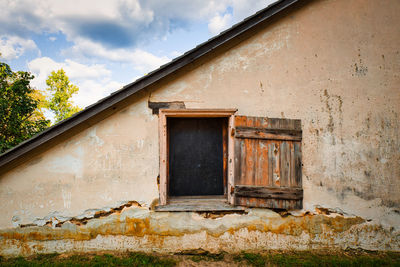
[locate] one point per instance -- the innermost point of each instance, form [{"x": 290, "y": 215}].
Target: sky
[{"x": 103, "y": 45}]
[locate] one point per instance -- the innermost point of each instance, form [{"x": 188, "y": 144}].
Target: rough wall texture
[
  {"x": 137, "y": 228},
  {"x": 333, "y": 64}
]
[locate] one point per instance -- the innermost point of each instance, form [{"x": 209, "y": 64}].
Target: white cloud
[
  {"x": 112, "y": 30},
  {"x": 78, "y": 71},
  {"x": 124, "y": 19},
  {"x": 91, "y": 91},
  {"x": 219, "y": 23},
  {"x": 109, "y": 32},
  {"x": 94, "y": 81},
  {"x": 141, "y": 60},
  {"x": 42, "y": 67},
  {"x": 245, "y": 8},
  {"x": 175, "y": 54},
  {"x": 240, "y": 10},
  {"x": 12, "y": 47}
]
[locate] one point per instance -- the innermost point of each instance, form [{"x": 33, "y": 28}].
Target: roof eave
[{"x": 176, "y": 64}]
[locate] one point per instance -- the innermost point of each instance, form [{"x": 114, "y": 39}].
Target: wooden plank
[
  {"x": 285, "y": 193},
  {"x": 276, "y": 173},
  {"x": 190, "y": 204},
  {"x": 293, "y": 132},
  {"x": 268, "y": 123},
  {"x": 254, "y": 145},
  {"x": 238, "y": 160},
  {"x": 288, "y": 124},
  {"x": 156, "y": 106},
  {"x": 273, "y": 134},
  {"x": 231, "y": 161},
  {"x": 257, "y": 122},
  {"x": 163, "y": 158},
  {"x": 242, "y": 166},
  {"x": 270, "y": 150},
  {"x": 284, "y": 164},
  {"x": 250, "y": 121},
  {"x": 298, "y": 164},
  {"x": 292, "y": 181},
  {"x": 262, "y": 177},
  {"x": 280, "y": 204},
  {"x": 206, "y": 113},
  {"x": 249, "y": 173},
  {"x": 274, "y": 123},
  {"x": 271, "y": 163},
  {"x": 240, "y": 121}
]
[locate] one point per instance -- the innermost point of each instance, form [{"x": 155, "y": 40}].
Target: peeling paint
[
  {"x": 304, "y": 68},
  {"x": 145, "y": 230}
]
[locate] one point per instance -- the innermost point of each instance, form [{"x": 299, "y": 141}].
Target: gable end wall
[{"x": 333, "y": 64}]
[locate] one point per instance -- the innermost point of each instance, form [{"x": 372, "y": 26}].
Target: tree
[
  {"x": 21, "y": 116},
  {"x": 61, "y": 91}
]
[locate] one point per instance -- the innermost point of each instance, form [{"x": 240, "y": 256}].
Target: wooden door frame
[{"x": 163, "y": 143}]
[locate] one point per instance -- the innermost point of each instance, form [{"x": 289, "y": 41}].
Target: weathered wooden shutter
[{"x": 267, "y": 163}]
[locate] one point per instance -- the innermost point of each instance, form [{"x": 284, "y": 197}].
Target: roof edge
[{"x": 128, "y": 90}]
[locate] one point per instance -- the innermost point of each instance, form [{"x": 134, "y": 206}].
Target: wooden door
[{"x": 267, "y": 163}]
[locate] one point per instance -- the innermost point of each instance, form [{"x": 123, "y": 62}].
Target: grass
[
  {"x": 352, "y": 259},
  {"x": 47, "y": 260},
  {"x": 208, "y": 257},
  {"x": 272, "y": 258},
  {"x": 251, "y": 258}
]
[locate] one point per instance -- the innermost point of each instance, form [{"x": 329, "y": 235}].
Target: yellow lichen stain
[
  {"x": 137, "y": 227},
  {"x": 38, "y": 247},
  {"x": 25, "y": 249},
  {"x": 155, "y": 240},
  {"x": 340, "y": 224},
  {"x": 140, "y": 227},
  {"x": 311, "y": 224}
]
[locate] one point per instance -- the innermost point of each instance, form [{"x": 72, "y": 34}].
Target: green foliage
[
  {"x": 208, "y": 257},
  {"x": 21, "y": 116},
  {"x": 251, "y": 258},
  {"x": 309, "y": 258},
  {"x": 61, "y": 91},
  {"x": 50, "y": 260},
  {"x": 305, "y": 258}
]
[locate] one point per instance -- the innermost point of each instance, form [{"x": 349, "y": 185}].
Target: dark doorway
[{"x": 196, "y": 156}]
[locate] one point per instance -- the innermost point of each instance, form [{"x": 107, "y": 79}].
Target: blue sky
[{"x": 103, "y": 44}]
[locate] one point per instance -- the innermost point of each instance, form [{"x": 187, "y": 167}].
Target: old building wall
[
  {"x": 333, "y": 64},
  {"x": 104, "y": 166}
]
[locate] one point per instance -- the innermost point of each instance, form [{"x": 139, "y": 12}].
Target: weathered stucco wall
[{"x": 333, "y": 64}]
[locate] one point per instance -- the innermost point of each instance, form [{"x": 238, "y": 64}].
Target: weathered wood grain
[
  {"x": 200, "y": 204},
  {"x": 163, "y": 139},
  {"x": 267, "y": 162},
  {"x": 273, "y": 134},
  {"x": 231, "y": 160},
  {"x": 267, "y": 123},
  {"x": 298, "y": 164},
  {"x": 288, "y": 193}
]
